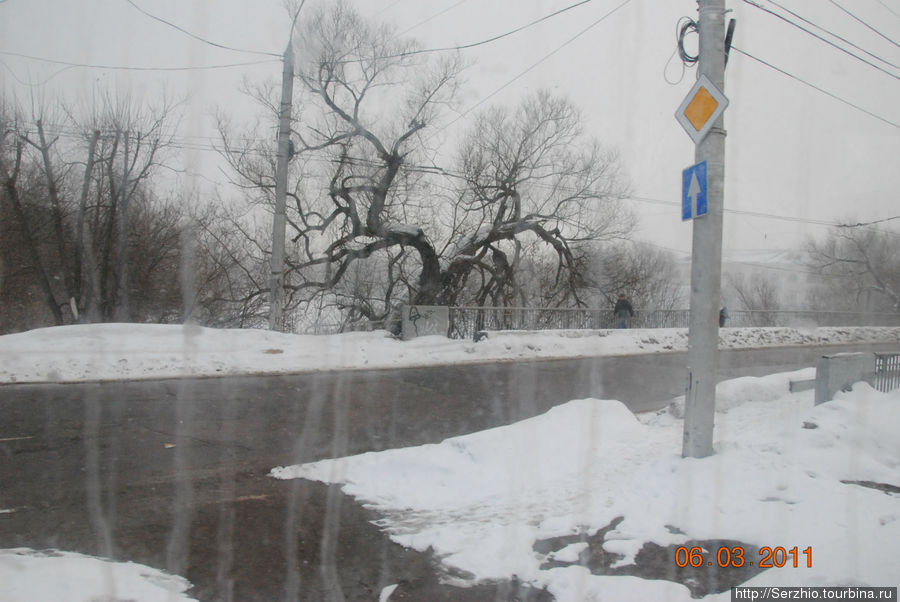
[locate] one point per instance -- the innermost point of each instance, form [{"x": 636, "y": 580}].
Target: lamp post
[{"x": 276, "y": 281}]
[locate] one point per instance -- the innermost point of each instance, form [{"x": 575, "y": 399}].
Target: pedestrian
[
  {"x": 723, "y": 315},
  {"x": 623, "y": 311}
]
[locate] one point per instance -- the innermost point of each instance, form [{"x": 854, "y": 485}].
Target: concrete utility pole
[
  {"x": 276, "y": 293},
  {"x": 706, "y": 264}
]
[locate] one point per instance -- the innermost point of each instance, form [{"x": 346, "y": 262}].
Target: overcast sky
[{"x": 792, "y": 151}]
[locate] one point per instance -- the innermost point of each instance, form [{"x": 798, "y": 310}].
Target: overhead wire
[
  {"x": 435, "y": 170},
  {"x": 864, "y": 23},
  {"x": 767, "y": 266},
  {"x": 757, "y": 214},
  {"x": 535, "y": 64},
  {"x": 881, "y": 2},
  {"x": 195, "y": 36},
  {"x": 831, "y": 33},
  {"x": 133, "y": 68},
  {"x": 815, "y": 87},
  {"x": 432, "y": 17},
  {"x": 33, "y": 85},
  {"x": 478, "y": 43},
  {"x": 817, "y": 36},
  {"x": 391, "y": 5},
  {"x": 865, "y": 224},
  {"x": 185, "y": 143}
]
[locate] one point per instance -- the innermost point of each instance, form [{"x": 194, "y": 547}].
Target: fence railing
[
  {"x": 800, "y": 319},
  {"x": 466, "y": 321},
  {"x": 887, "y": 372}
]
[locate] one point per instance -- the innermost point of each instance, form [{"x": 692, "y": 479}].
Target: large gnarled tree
[{"x": 377, "y": 216}]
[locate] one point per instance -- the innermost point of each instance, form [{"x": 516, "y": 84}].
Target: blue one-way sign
[{"x": 693, "y": 191}]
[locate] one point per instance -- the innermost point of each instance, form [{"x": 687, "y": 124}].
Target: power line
[
  {"x": 831, "y": 33},
  {"x": 784, "y": 218},
  {"x": 817, "y": 88},
  {"x": 513, "y": 31},
  {"x": 881, "y": 2},
  {"x": 129, "y": 68},
  {"x": 195, "y": 36},
  {"x": 864, "y": 23},
  {"x": 818, "y": 37},
  {"x": 726, "y": 259},
  {"x": 864, "y": 224},
  {"x": 185, "y": 143},
  {"x": 480, "y": 42},
  {"x": 434, "y": 16},
  {"x": 534, "y": 65},
  {"x": 30, "y": 85},
  {"x": 758, "y": 214},
  {"x": 391, "y": 5}
]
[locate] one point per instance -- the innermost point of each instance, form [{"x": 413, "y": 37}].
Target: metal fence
[
  {"x": 810, "y": 318},
  {"x": 887, "y": 371},
  {"x": 341, "y": 327},
  {"x": 466, "y": 321}
]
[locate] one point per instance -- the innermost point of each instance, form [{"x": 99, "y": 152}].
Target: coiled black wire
[{"x": 685, "y": 26}]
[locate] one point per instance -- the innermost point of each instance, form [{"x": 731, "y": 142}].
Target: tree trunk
[
  {"x": 122, "y": 310},
  {"x": 57, "y": 213},
  {"x": 13, "y": 193},
  {"x": 84, "y": 246}
]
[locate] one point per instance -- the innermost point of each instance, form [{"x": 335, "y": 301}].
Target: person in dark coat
[
  {"x": 723, "y": 315},
  {"x": 623, "y": 310}
]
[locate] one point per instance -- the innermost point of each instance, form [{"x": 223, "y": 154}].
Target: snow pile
[
  {"x": 50, "y": 576},
  {"x": 785, "y": 473},
  {"x": 737, "y": 391},
  {"x": 130, "y": 351}
]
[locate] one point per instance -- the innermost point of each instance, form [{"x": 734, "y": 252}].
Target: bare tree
[
  {"x": 231, "y": 268},
  {"x": 757, "y": 294},
  {"x": 532, "y": 181},
  {"x": 364, "y": 100},
  {"x": 21, "y": 250},
  {"x": 863, "y": 266},
  {"x": 86, "y": 230},
  {"x": 375, "y": 221},
  {"x": 647, "y": 275}
]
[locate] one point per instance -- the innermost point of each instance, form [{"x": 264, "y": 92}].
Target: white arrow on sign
[{"x": 694, "y": 192}]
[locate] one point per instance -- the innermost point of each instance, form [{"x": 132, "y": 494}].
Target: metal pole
[
  {"x": 706, "y": 264},
  {"x": 276, "y": 293}
]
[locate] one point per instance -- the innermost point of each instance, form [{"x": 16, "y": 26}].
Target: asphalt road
[{"x": 173, "y": 473}]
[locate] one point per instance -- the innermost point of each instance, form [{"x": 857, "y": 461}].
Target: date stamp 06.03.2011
[{"x": 736, "y": 556}]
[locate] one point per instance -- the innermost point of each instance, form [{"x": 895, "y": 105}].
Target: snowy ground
[
  {"x": 483, "y": 500},
  {"x": 130, "y": 351},
  {"x": 52, "y": 576},
  {"x": 778, "y": 479}
]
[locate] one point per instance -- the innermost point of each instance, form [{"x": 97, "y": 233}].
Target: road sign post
[{"x": 701, "y": 116}]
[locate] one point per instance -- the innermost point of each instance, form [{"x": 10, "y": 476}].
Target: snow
[
  {"x": 481, "y": 501},
  {"x": 778, "y": 478},
  {"x": 405, "y": 229},
  {"x": 50, "y": 576},
  {"x": 133, "y": 351}
]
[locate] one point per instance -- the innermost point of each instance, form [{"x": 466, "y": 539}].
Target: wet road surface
[{"x": 173, "y": 474}]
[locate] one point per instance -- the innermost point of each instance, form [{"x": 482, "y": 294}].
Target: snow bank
[
  {"x": 784, "y": 474},
  {"x": 50, "y": 576},
  {"x": 131, "y": 351}
]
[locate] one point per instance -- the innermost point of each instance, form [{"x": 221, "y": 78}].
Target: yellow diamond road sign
[{"x": 701, "y": 108}]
